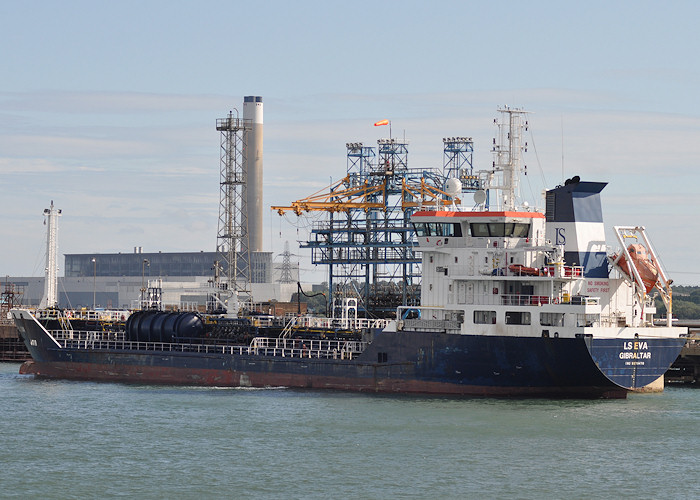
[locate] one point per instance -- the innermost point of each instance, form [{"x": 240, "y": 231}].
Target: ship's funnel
[{"x": 575, "y": 221}]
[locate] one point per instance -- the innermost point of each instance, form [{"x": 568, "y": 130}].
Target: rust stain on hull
[{"x": 231, "y": 378}]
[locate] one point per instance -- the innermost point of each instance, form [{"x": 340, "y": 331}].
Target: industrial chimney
[{"x": 253, "y": 168}]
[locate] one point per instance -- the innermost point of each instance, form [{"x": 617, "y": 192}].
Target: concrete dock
[
  {"x": 686, "y": 369},
  {"x": 12, "y": 348}
]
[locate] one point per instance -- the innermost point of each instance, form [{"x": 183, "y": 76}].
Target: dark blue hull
[{"x": 406, "y": 362}]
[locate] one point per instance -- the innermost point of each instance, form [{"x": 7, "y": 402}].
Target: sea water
[{"x": 63, "y": 439}]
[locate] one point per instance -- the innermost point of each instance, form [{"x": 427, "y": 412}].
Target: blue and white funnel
[{"x": 575, "y": 221}]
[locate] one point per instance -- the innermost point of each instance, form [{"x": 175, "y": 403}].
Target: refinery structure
[{"x": 366, "y": 239}]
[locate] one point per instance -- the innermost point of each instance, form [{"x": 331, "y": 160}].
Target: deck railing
[
  {"x": 109, "y": 315},
  {"x": 86, "y": 335},
  {"x": 525, "y": 300},
  {"x": 312, "y": 322},
  {"x": 260, "y": 346},
  {"x": 541, "y": 300}
]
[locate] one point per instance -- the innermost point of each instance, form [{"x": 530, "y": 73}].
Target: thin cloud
[
  {"x": 143, "y": 170},
  {"x": 70, "y": 103}
]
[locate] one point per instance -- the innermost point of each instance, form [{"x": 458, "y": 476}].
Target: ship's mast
[
  {"x": 508, "y": 148},
  {"x": 50, "y": 298}
]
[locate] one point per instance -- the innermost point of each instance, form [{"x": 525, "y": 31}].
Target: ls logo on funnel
[{"x": 560, "y": 238}]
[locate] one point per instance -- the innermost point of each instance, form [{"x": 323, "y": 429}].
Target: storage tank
[{"x": 160, "y": 326}]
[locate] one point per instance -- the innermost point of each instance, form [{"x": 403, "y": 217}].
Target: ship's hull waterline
[{"x": 395, "y": 362}]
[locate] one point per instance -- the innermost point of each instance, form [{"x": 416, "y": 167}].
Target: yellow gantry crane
[
  {"x": 338, "y": 197},
  {"x": 342, "y": 197}
]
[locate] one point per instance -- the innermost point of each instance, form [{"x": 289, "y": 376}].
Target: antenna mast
[
  {"x": 508, "y": 150},
  {"x": 50, "y": 298}
]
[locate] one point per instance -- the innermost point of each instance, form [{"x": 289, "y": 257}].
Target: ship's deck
[{"x": 260, "y": 346}]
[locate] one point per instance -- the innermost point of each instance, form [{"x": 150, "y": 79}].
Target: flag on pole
[{"x": 381, "y": 122}]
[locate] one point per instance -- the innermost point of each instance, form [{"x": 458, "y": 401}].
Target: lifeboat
[
  {"x": 521, "y": 270},
  {"x": 640, "y": 260}
]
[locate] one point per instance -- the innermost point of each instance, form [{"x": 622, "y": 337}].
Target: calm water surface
[{"x": 63, "y": 439}]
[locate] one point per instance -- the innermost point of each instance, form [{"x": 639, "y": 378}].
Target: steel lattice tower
[
  {"x": 232, "y": 236},
  {"x": 367, "y": 240},
  {"x": 369, "y": 251},
  {"x": 359, "y": 159},
  {"x": 458, "y": 155},
  {"x": 286, "y": 270}
]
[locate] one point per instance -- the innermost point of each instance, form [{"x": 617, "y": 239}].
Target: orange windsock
[{"x": 381, "y": 122}]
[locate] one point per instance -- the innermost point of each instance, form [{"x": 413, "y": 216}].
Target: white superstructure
[{"x": 503, "y": 268}]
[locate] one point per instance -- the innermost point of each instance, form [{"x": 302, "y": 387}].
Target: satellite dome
[{"x": 453, "y": 187}]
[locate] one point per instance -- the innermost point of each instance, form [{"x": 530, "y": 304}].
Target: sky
[{"x": 109, "y": 110}]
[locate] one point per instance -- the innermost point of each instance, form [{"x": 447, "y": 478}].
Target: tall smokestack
[{"x": 253, "y": 167}]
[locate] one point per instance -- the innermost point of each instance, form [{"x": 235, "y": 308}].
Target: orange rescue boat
[{"x": 640, "y": 260}]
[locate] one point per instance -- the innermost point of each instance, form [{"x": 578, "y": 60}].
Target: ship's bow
[{"x": 38, "y": 340}]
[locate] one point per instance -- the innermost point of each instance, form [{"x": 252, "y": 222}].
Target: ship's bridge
[{"x": 437, "y": 228}]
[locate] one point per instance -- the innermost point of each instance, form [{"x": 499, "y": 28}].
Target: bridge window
[
  {"x": 504, "y": 229},
  {"x": 479, "y": 230},
  {"x": 520, "y": 230},
  {"x": 453, "y": 229}
]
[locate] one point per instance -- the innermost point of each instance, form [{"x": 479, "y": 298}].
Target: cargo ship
[{"x": 515, "y": 302}]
